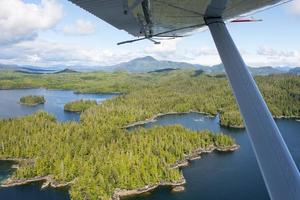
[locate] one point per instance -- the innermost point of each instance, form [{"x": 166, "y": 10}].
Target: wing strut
[
  {"x": 161, "y": 34},
  {"x": 278, "y": 168}
]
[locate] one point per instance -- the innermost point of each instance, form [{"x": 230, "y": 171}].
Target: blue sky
[{"x": 52, "y": 32}]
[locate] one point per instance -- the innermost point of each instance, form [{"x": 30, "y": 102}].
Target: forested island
[
  {"x": 79, "y": 106},
  {"x": 101, "y": 158},
  {"x": 32, "y": 100}
]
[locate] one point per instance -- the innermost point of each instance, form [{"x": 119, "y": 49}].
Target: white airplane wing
[{"x": 152, "y": 17}]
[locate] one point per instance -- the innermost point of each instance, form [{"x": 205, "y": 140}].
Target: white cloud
[
  {"x": 272, "y": 53},
  {"x": 172, "y": 50},
  {"x": 295, "y": 7},
  {"x": 204, "y": 56},
  {"x": 33, "y": 58},
  {"x": 268, "y": 56},
  {"x": 263, "y": 56},
  {"x": 80, "y": 27},
  {"x": 45, "y": 53},
  {"x": 165, "y": 46},
  {"x": 167, "y": 50},
  {"x": 22, "y": 21}
]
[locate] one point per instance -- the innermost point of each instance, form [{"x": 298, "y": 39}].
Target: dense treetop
[
  {"x": 80, "y": 105},
  {"x": 32, "y": 100}
]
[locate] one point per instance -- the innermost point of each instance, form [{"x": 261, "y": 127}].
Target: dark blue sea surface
[{"x": 216, "y": 176}]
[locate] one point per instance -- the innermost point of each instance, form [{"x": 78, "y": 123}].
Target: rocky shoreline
[
  {"x": 72, "y": 111},
  {"x": 178, "y": 189},
  {"x": 154, "y": 118},
  {"x": 178, "y": 185},
  {"x": 196, "y": 154},
  {"x": 120, "y": 193},
  {"x": 48, "y": 181},
  {"x": 17, "y": 159},
  {"x": 30, "y": 104},
  {"x": 297, "y": 118}
]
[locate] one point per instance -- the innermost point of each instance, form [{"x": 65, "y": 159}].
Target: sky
[{"x": 48, "y": 33}]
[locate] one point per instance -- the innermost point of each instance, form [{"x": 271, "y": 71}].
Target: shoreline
[
  {"x": 72, "y": 90},
  {"x": 16, "y": 159},
  {"x": 155, "y": 117},
  {"x": 31, "y": 104},
  {"x": 297, "y": 118},
  {"x": 121, "y": 193},
  {"x": 49, "y": 181},
  {"x": 73, "y": 111},
  {"x": 196, "y": 154},
  {"x": 104, "y": 93}
]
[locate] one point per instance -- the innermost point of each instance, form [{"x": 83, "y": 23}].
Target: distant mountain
[
  {"x": 67, "y": 70},
  {"x": 284, "y": 68},
  {"x": 8, "y": 67},
  {"x": 267, "y": 70},
  {"x": 295, "y": 71},
  {"x": 163, "y": 70},
  {"x": 45, "y": 71},
  {"x": 215, "y": 69},
  {"x": 263, "y": 71},
  {"x": 35, "y": 70},
  {"x": 31, "y": 69},
  {"x": 147, "y": 64},
  {"x": 150, "y": 64}
]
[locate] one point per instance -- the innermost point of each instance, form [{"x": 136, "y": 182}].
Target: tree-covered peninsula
[
  {"x": 32, "y": 100},
  {"x": 80, "y": 105},
  {"x": 100, "y": 156}
]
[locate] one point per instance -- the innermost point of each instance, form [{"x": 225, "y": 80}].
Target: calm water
[
  {"x": 216, "y": 176},
  {"x": 5, "y": 169},
  {"x": 55, "y": 101}
]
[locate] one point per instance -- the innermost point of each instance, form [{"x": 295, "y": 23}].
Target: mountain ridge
[{"x": 149, "y": 64}]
